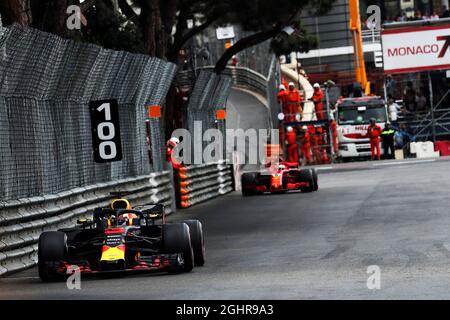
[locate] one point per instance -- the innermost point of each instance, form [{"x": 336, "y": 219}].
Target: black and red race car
[
  {"x": 122, "y": 239},
  {"x": 282, "y": 178}
]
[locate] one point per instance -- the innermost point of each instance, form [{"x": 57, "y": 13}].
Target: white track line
[
  {"x": 324, "y": 168},
  {"x": 19, "y": 278},
  {"x": 402, "y": 162}
]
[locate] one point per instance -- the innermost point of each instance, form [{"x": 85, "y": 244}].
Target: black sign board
[{"x": 105, "y": 130}]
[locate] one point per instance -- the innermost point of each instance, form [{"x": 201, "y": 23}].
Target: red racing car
[{"x": 283, "y": 178}]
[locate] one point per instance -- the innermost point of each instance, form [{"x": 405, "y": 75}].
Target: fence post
[{"x": 433, "y": 124}]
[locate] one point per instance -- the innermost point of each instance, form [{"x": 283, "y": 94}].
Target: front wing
[{"x": 157, "y": 262}]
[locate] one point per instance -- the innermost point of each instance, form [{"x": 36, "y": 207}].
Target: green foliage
[
  {"x": 110, "y": 30},
  {"x": 122, "y": 29},
  {"x": 257, "y": 15},
  {"x": 299, "y": 41}
]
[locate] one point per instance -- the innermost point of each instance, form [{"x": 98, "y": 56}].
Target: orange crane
[{"x": 355, "y": 29}]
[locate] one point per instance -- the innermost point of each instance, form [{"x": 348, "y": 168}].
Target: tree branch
[
  {"x": 127, "y": 10},
  {"x": 196, "y": 30},
  {"x": 86, "y": 5},
  {"x": 243, "y": 44},
  {"x": 182, "y": 38},
  {"x": 180, "y": 29}
]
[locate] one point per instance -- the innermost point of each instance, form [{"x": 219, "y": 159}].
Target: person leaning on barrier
[
  {"x": 306, "y": 145},
  {"x": 387, "y": 135},
  {"x": 171, "y": 144},
  {"x": 317, "y": 99},
  {"x": 281, "y": 96},
  {"x": 294, "y": 100},
  {"x": 291, "y": 143}
]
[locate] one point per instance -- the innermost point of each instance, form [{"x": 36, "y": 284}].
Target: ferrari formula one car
[
  {"x": 121, "y": 238},
  {"x": 285, "y": 177}
]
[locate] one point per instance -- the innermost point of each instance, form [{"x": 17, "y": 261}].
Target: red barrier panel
[{"x": 443, "y": 147}]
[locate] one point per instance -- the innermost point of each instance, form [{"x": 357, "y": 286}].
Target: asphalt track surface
[{"x": 304, "y": 246}]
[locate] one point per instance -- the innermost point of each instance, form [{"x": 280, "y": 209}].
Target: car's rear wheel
[
  {"x": 307, "y": 176},
  {"x": 316, "y": 179},
  {"x": 177, "y": 239},
  {"x": 197, "y": 241},
  {"x": 52, "y": 250},
  {"x": 248, "y": 183}
]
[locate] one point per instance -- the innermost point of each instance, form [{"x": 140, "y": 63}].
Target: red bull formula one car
[
  {"x": 283, "y": 178},
  {"x": 122, "y": 239}
]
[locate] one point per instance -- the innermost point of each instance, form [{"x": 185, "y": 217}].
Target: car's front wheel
[
  {"x": 52, "y": 250},
  {"x": 198, "y": 241},
  {"x": 177, "y": 239},
  {"x": 248, "y": 183},
  {"x": 307, "y": 176}
]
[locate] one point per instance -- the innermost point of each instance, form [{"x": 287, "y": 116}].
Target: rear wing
[{"x": 151, "y": 209}]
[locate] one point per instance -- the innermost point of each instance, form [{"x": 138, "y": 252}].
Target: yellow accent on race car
[{"x": 113, "y": 254}]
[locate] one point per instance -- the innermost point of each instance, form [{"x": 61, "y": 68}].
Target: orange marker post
[{"x": 154, "y": 112}]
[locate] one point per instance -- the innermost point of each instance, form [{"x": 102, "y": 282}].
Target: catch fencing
[
  {"x": 48, "y": 177},
  {"x": 209, "y": 94},
  {"x": 198, "y": 183},
  {"x": 46, "y": 83}
]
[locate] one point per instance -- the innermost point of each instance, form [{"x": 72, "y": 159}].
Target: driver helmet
[
  {"x": 281, "y": 167},
  {"x": 123, "y": 204},
  {"x": 126, "y": 218},
  {"x": 289, "y": 129},
  {"x": 359, "y": 119}
]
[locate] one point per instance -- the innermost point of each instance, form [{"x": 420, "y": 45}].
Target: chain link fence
[
  {"x": 209, "y": 94},
  {"x": 46, "y": 84},
  {"x": 257, "y": 58}
]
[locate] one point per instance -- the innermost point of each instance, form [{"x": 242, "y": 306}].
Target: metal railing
[
  {"x": 23, "y": 220},
  {"x": 199, "y": 183},
  {"x": 371, "y": 36}
]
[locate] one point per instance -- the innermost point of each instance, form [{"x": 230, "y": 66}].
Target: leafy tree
[
  {"x": 108, "y": 28},
  {"x": 159, "y": 28},
  {"x": 300, "y": 41},
  {"x": 51, "y": 15},
  {"x": 267, "y": 19},
  {"x": 13, "y": 11}
]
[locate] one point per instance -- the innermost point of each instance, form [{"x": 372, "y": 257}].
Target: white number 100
[{"x": 109, "y": 135}]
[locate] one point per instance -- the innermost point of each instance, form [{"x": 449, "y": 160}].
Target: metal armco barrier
[
  {"x": 22, "y": 221},
  {"x": 199, "y": 183}
]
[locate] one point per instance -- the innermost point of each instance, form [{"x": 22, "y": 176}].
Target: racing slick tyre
[
  {"x": 177, "y": 239},
  {"x": 197, "y": 241},
  {"x": 52, "y": 248},
  {"x": 307, "y": 176},
  {"x": 248, "y": 183},
  {"x": 316, "y": 179}
]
